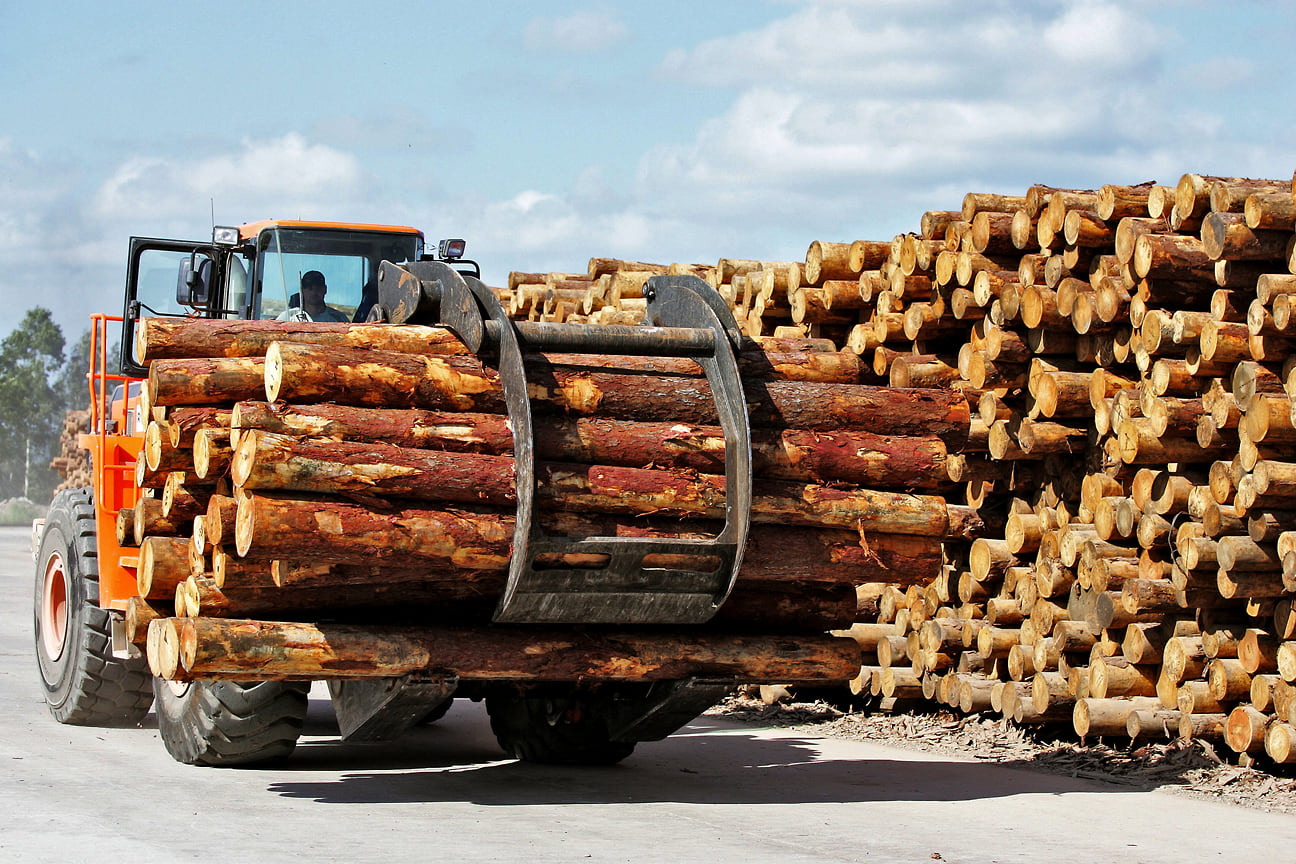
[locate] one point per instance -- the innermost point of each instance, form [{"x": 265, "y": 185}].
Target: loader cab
[{"x": 254, "y": 272}]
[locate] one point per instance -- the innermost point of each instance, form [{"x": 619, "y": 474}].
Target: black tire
[
  {"x": 222, "y": 723},
  {"x": 566, "y": 730},
  {"x": 83, "y": 683}
]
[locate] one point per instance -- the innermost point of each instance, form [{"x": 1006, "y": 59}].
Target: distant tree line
[{"x": 40, "y": 382}]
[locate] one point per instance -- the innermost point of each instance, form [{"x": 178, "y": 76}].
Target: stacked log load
[
  {"x": 1130, "y": 462},
  {"x": 334, "y": 500}
]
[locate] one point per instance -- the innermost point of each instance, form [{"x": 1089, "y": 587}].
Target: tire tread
[{"x": 104, "y": 690}]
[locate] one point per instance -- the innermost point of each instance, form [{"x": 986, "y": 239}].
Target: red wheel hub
[{"x": 54, "y": 607}]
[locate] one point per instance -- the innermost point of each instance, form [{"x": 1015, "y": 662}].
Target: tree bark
[
  {"x": 163, "y": 565},
  {"x": 158, "y": 338},
  {"x": 274, "y": 462},
  {"x": 303, "y": 373},
  {"x": 842, "y": 455},
  {"x": 223, "y": 648}
]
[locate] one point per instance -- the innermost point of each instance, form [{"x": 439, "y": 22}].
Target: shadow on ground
[{"x": 712, "y": 761}]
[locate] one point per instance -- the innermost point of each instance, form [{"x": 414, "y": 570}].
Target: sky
[{"x": 548, "y": 133}]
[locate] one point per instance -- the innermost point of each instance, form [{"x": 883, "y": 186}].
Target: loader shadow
[{"x": 708, "y": 762}]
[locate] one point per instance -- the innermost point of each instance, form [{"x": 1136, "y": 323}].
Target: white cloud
[
  {"x": 284, "y": 177},
  {"x": 1092, "y": 31},
  {"x": 65, "y": 248},
  {"x": 578, "y": 33},
  {"x": 846, "y": 120},
  {"x": 845, "y": 113}
]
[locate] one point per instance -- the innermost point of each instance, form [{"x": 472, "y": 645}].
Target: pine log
[
  {"x": 1117, "y": 202},
  {"x": 828, "y": 261},
  {"x": 138, "y": 615},
  {"x": 158, "y": 338},
  {"x": 1226, "y": 235},
  {"x": 163, "y": 565},
  {"x": 181, "y": 504},
  {"x": 1152, "y": 722},
  {"x": 848, "y": 456},
  {"x": 301, "y": 373},
  {"x": 1203, "y": 726},
  {"x": 206, "y": 381},
  {"x": 124, "y": 527},
  {"x": 150, "y": 520},
  {"x": 1101, "y": 716},
  {"x": 1244, "y": 731},
  {"x": 347, "y": 533},
  {"x": 212, "y": 453},
  {"x": 184, "y": 423},
  {"x": 1109, "y": 678},
  {"x": 273, "y": 462},
  {"x": 225, "y": 648}
]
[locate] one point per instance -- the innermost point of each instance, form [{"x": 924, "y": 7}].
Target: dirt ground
[{"x": 1195, "y": 769}]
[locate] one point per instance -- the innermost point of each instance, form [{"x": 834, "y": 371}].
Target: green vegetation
[
  {"x": 39, "y": 384},
  {"x": 20, "y": 511}
]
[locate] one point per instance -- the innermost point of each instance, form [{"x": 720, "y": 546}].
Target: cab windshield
[{"x": 348, "y": 261}]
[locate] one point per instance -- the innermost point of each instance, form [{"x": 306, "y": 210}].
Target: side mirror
[{"x": 193, "y": 285}]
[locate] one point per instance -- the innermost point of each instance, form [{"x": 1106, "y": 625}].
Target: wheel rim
[{"x": 54, "y": 607}]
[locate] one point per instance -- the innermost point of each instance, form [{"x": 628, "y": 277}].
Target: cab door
[{"x": 155, "y": 271}]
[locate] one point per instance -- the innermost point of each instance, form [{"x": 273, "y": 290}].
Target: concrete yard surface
[{"x": 718, "y": 791}]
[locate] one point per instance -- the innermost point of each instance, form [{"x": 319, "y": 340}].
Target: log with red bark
[
  {"x": 183, "y": 338},
  {"x": 259, "y": 650},
  {"x": 267, "y": 461},
  {"x": 476, "y": 540},
  {"x": 784, "y": 606},
  {"x": 851, "y": 456},
  {"x": 304, "y": 373}
]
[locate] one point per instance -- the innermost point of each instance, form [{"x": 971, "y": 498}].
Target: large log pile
[
  {"x": 331, "y": 501},
  {"x": 1073, "y": 503},
  {"x": 1125, "y": 354},
  {"x": 72, "y": 463}
]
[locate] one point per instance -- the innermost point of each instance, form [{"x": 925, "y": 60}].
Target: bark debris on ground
[{"x": 1194, "y": 768}]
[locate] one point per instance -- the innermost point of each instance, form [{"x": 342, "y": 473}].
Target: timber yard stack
[
  {"x": 334, "y": 500},
  {"x": 1130, "y": 464},
  {"x": 1033, "y": 459}
]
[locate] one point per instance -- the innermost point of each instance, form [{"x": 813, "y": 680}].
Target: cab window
[{"x": 348, "y": 259}]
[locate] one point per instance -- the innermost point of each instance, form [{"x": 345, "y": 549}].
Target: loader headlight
[
  {"x": 451, "y": 250},
  {"x": 225, "y": 235}
]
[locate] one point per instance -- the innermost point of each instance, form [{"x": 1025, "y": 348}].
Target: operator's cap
[{"x": 311, "y": 278}]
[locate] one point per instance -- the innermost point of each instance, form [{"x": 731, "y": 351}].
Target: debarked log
[{"x": 237, "y": 649}]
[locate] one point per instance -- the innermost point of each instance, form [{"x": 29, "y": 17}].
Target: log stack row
[
  {"x": 1131, "y": 457},
  {"x": 1117, "y": 367}
]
